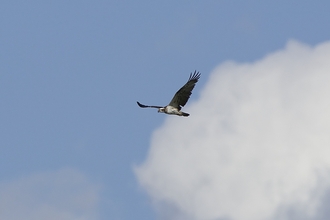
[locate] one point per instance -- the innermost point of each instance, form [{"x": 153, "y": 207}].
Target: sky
[{"x": 75, "y": 145}]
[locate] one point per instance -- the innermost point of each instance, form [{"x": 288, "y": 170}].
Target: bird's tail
[{"x": 185, "y": 114}]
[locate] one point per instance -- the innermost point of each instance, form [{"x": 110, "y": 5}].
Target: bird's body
[
  {"x": 180, "y": 98},
  {"x": 172, "y": 111}
]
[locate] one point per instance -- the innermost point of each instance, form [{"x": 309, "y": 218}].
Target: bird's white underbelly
[{"x": 171, "y": 110}]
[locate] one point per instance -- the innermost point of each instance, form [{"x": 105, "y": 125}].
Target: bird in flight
[{"x": 180, "y": 98}]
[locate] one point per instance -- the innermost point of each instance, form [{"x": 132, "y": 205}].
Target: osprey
[{"x": 180, "y": 98}]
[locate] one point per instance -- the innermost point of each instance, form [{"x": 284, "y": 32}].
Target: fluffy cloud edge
[{"x": 289, "y": 80}]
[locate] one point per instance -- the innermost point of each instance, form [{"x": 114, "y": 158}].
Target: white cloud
[
  {"x": 256, "y": 145},
  {"x": 66, "y": 194}
]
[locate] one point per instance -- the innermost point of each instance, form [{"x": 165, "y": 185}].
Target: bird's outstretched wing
[
  {"x": 148, "y": 106},
  {"x": 181, "y": 97}
]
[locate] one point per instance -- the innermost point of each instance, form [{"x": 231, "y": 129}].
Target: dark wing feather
[
  {"x": 181, "y": 97},
  {"x": 147, "y": 106}
]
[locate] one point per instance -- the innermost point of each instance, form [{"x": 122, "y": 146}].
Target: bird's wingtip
[{"x": 139, "y": 104}]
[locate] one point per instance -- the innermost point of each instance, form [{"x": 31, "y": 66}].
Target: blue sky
[{"x": 72, "y": 71}]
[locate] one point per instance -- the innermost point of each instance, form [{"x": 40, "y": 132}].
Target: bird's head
[{"x": 161, "y": 110}]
